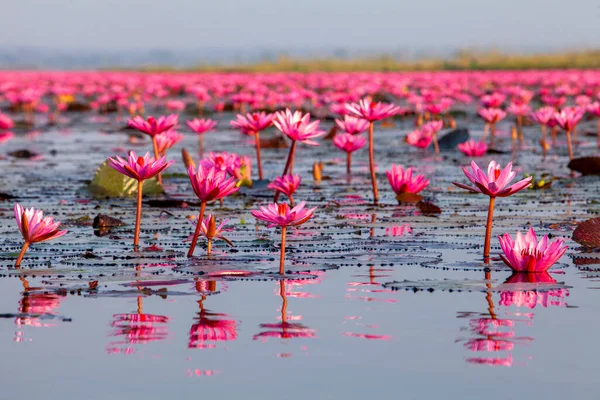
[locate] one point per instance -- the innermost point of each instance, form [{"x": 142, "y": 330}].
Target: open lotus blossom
[
  {"x": 491, "y": 116},
  {"x": 494, "y": 100},
  {"x": 201, "y": 126},
  {"x": 252, "y": 124},
  {"x": 153, "y": 127},
  {"x": 224, "y": 161},
  {"x": 166, "y": 140},
  {"x": 280, "y": 214},
  {"x": 352, "y": 125},
  {"x": 544, "y": 116},
  {"x": 5, "y": 136},
  {"x": 210, "y": 231},
  {"x": 209, "y": 184},
  {"x": 349, "y": 143},
  {"x": 594, "y": 109},
  {"x": 140, "y": 169},
  {"x": 568, "y": 118},
  {"x": 298, "y": 128},
  {"x": 472, "y": 148},
  {"x": 403, "y": 181},
  {"x": 370, "y": 111},
  {"x": 6, "y": 122},
  {"x": 519, "y": 110},
  {"x": 287, "y": 184},
  {"x": 35, "y": 228},
  {"x": 420, "y": 138},
  {"x": 493, "y": 184},
  {"x": 175, "y": 105},
  {"x": 526, "y": 254},
  {"x": 433, "y": 127}
]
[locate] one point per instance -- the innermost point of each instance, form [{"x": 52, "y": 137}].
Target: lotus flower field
[{"x": 299, "y": 233}]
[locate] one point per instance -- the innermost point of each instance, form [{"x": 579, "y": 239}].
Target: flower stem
[
  {"x": 257, "y": 142},
  {"x": 288, "y": 164},
  {"x": 569, "y": 145},
  {"x": 156, "y": 156},
  {"x": 488, "y": 231},
  {"x": 544, "y": 145},
  {"x": 197, "y": 232},
  {"x": 372, "y": 164},
  {"x": 201, "y": 145},
  {"x": 21, "y": 254},
  {"x": 138, "y": 215},
  {"x": 209, "y": 246},
  {"x": 291, "y": 200},
  {"x": 492, "y": 134},
  {"x": 598, "y": 134},
  {"x": 436, "y": 145},
  {"x": 282, "y": 255},
  {"x": 349, "y": 163}
]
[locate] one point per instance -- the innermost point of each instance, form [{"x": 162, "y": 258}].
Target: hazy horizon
[{"x": 379, "y": 25}]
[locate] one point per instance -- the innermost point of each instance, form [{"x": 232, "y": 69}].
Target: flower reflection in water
[
  {"x": 136, "y": 328},
  {"x": 369, "y": 290},
  {"x": 210, "y": 327},
  {"x": 33, "y": 308},
  {"x": 284, "y": 329},
  {"x": 491, "y": 334}
]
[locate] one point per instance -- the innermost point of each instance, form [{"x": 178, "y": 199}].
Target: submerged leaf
[{"x": 586, "y": 165}]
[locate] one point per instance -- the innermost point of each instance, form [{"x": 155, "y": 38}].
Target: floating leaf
[
  {"x": 588, "y": 233},
  {"x": 586, "y": 165},
  {"x": 109, "y": 182},
  {"x": 453, "y": 138}
]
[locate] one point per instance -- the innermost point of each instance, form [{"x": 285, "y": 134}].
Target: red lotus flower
[
  {"x": 352, "y": 125},
  {"x": 472, "y": 148},
  {"x": 139, "y": 168},
  {"x": 370, "y": 111},
  {"x": 201, "y": 126},
  {"x": 287, "y": 184},
  {"x": 494, "y": 184},
  {"x": 298, "y": 127},
  {"x": 402, "y": 181}
]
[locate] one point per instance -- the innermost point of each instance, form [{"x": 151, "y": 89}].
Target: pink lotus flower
[
  {"x": 519, "y": 109},
  {"x": 352, "y": 125},
  {"x": 211, "y": 184},
  {"x": 250, "y": 124},
  {"x": 175, "y": 105},
  {"x": 210, "y": 230},
  {"x": 402, "y": 181},
  {"x": 139, "y": 168},
  {"x": 166, "y": 140},
  {"x": 543, "y": 115},
  {"x": 5, "y": 136},
  {"x": 201, "y": 126},
  {"x": 287, "y": 185},
  {"x": 349, "y": 142},
  {"x": 494, "y": 100},
  {"x": 6, "y": 122},
  {"x": 494, "y": 184},
  {"x": 223, "y": 162},
  {"x": 35, "y": 228},
  {"x": 433, "y": 126},
  {"x": 370, "y": 111},
  {"x": 298, "y": 127},
  {"x": 281, "y": 214},
  {"x": 472, "y": 148},
  {"x": 152, "y": 126},
  {"x": 526, "y": 254},
  {"x": 419, "y": 138},
  {"x": 568, "y": 117},
  {"x": 492, "y": 115}
]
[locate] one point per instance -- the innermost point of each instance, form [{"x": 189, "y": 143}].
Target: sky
[{"x": 280, "y": 24}]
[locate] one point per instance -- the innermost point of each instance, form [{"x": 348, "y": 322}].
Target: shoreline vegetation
[{"x": 462, "y": 61}]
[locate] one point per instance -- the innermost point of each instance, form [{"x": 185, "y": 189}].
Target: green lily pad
[{"x": 109, "y": 182}]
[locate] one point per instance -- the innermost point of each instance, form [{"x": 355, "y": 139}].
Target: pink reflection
[
  {"x": 367, "y": 336},
  {"x": 34, "y": 305},
  {"x": 136, "y": 328},
  {"x": 211, "y": 327},
  {"x": 284, "y": 329},
  {"x": 400, "y": 230}
]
